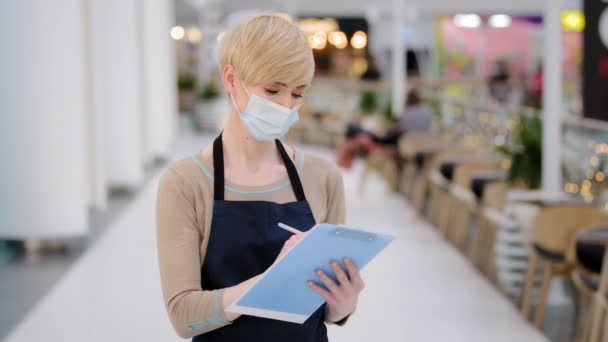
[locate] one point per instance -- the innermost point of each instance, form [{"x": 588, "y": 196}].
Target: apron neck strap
[
  {"x": 294, "y": 178},
  {"x": 218, "y": 170}
]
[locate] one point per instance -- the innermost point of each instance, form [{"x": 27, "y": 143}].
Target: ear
[{"x": 229, "y": 79}]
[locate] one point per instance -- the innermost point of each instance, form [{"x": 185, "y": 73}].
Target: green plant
[
  {"x": 209, "y": 92},
  {"x": 186, "y": 81},
  {"x": 387, "y": 111},
  {"x": 526, "y": 154},
  {"x": 368, "y": 101}
]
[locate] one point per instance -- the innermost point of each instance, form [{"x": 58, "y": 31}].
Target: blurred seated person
[
  {"x": 416, "y": 117},
  {"x": 499, "y": 82}
]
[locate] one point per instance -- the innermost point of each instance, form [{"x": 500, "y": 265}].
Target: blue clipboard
[{"x": 282, "y": 292}]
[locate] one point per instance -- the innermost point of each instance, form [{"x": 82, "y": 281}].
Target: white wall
[{"x": 43, "y": 174}]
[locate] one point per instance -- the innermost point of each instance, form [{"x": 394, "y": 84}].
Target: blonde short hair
[{"x": 267, "y": 48}]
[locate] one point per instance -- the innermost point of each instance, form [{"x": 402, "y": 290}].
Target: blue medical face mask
[{"x": 266, "y": 120}]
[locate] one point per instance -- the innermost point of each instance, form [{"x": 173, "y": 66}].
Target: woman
[{"x": 217, "y": 211}]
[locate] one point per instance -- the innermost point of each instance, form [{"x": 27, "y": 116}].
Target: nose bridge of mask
[
  {"x": 270, "y": 104},
  {"x": 267, "y": 102}
]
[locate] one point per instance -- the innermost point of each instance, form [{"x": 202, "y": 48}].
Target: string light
[
  {"x": 194, "y": 35},
  {"x": 338, "y": 39},
  {"x": 500, "y": 21},
  {"x": 177, "y": 33},
  {"x": 467, "y": 20},
  {"x": 571, "y": 188},
  {"x": 594, "y": 161},
  {"x": 586, "y": 184},
  {"x": 358, "y": 40},
  {"x": 318, "y": 40},
  {"x": 601, "y": 148},
  {"x": 573, "y": 21}
]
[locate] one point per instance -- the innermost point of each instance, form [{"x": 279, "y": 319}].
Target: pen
[{"x": 289, "y": 228}]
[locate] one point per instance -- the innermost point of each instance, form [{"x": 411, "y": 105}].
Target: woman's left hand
[{"x": 342, "y": 297}]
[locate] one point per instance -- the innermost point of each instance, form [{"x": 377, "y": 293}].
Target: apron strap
[
  {"x": 294, "y": 178},
  {"x": 218, "y": 171}
]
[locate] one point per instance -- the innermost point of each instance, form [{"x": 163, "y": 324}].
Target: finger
[
  {"x": 342, "y": 277},
  {"x": 330, "y": 284},
  {"x": 295, "y": 238},
  {"x": 322, "y": 292},
  {"x": 354, "y": 274}
]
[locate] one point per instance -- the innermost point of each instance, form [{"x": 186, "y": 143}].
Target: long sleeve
[
  {"x": 192, "y": 311},
  {"x": 336, "y": 206}
]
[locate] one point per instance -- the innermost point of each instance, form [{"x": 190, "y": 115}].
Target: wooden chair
[
  {"x": 587, "y": 253},
  {"x": 553, "y": 231},
  {"x": 384, "y": 163},
  {"x": 439, "y": 176},
  {"x": 461, "y": 201},
  {"x": 382, "y": 160},
  {"x": 416, "y": 150},
  {"x": 489, "y": 220},
  {"x": 456, "y": 188}
]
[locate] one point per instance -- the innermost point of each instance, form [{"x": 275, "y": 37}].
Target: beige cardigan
[{"x": 183, "y": 219}]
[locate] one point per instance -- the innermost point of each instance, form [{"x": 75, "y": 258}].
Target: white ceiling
[{"x": 185, "y": 11}]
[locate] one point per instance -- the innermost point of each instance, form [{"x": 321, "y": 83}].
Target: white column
[
  {"x": 552, "y": 97},
  {"x": 97, "y": 182},
  {"x": 210, "y": 22},
  {"x": 399, "y": 77},
  {"x": 159, "y": 78},
  {"x": 42, "y": 120},
  {"x": 374, "y": 37},
  {"x": 117, "y": 90}
]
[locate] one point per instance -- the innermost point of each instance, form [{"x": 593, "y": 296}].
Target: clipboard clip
[{"x": 353, "y": 234}]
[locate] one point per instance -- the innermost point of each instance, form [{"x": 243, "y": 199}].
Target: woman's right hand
[
  {"x": 290, "y": 243},
  {"x": 232, "y": 293}
]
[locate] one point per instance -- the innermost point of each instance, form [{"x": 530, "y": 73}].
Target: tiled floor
[{"x": 419, "y": 289}]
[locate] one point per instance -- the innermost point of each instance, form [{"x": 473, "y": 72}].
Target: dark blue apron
[{"x": 244, "y": 241}]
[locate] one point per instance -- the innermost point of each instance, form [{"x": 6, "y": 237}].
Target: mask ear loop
[
  {"x": 235, "y": 105},
  {"x": 245, "y": 87},
  {"x": 232, "y": 97}
]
